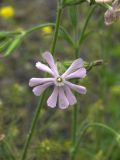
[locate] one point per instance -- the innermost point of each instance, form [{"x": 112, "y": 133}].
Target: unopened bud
[
  {"x": 103, "y": 1},
  {"x": 100, "y": 1}
]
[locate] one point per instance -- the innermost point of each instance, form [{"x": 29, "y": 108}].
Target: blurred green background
[{"x": 52, "y": 138}]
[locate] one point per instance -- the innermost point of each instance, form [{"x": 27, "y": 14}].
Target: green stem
[
  {"x": 8, "y": 148},
  {"x": 31, "y": 131},
  {"x": 85, "y": 25},
  {"x": 74, "y": 3},
  {"x": 74, "y": 151},
  {"x": 84, "y": 28},
  {"x": 74, "y": 125},
  {"x": 59, "y": 13},
  {"x": 75, "y": 108},
  {"x": 40, "y": 104},
  {"x": 109, "y": 150}
]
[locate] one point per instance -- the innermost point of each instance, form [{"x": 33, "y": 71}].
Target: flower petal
[
  {"x": 80, "y": 73},
  {"x": 63, "y": 101},
  {"x": 115, "y": 4},
  {"x": 52, "y": 100},
  {"x": 70, "y": 96},
  {"x": 78, "y": 63},
  {"x": 108, "y": 17},
  {"x": 41, "y": 88},
  {"x": 44, "y": 68},
  {"x": 38, "y": 81},
  {"x": 49, "y": 59},
  {"x": 77, "y": 88}
]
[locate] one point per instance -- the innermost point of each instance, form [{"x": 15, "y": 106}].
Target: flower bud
[
  {"x": 103, "y": 1},
  {"x": 113, "y": 13},
  {"x": 100, "y": 1}
]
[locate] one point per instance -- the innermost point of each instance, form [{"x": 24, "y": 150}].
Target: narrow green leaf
[
  {"x": 65, "y": 35},
  {"x": 14, "y": 45},
  {"x": 5, "y": 151},
  {"x": 4, "y": 34},
  {"x": 4, "y": 45},
  {"x": 73, "y": 15}
]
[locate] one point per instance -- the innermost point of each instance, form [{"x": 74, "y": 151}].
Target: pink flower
[
  {"x": 113, "y": 13},
  {"x": 62, "y": 94}
]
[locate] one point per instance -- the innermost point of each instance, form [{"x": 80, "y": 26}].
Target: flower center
[{"x": 59, "y": 79}]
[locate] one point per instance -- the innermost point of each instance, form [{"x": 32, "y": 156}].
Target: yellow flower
[
  {"x": 7, "y": 12},
  {"x": 115, "y": 89},
  {"x": 47, "y": 30}
]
